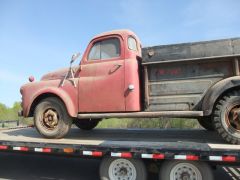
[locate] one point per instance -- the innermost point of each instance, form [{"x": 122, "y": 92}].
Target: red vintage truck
[{"x": 118, "y": 78}]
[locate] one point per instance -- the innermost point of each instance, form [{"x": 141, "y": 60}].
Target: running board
[{"x": 179, "y": 114}]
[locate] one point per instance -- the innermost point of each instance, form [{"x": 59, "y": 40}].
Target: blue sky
[{"x": 38, "y": 36}]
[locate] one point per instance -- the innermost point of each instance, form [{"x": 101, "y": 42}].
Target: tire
[
  {"x": 206, "y": 123},
  {"x": 171, "y": 170},
  {"x": 120, "y": 168},
  {"x": 226, "y": 117},
  {"x": 86, "y": 124},
  {"x": 51, "y": 118}
]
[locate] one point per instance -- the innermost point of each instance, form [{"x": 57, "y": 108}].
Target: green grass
[{"x": 149, "y": 123}]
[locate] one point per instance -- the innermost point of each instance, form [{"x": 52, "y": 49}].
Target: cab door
[{"x": 102, "y": 89}]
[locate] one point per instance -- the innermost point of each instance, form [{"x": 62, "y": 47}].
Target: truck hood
[{"x": 58, "y": 74}]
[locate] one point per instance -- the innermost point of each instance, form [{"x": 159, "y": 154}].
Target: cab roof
[{"x": 121, "y": 32}]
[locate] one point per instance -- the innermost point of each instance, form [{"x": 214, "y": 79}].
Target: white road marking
[{"x": 233, "y": 172}]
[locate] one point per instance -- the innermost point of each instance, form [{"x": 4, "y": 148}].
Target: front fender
[
  {"x": 67, "y": 93},
  {"x": 216, "y": 91}
]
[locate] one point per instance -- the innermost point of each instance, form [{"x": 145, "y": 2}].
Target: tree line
[{"x": 7, "y": 113}]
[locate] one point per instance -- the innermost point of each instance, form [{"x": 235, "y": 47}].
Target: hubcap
[
  {"x": 122, "y": 169},
  {"x": 50, "y": 119},
  {"x": 185, "y": 171},
  {"x": 233, "y": 117}
]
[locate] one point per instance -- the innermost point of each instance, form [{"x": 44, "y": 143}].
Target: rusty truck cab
[{"x": 109, "y": 75}]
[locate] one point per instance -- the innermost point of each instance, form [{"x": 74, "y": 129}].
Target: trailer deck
[{"x": 140, "y": 143}]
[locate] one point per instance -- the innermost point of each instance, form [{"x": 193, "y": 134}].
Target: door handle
[
  {"x": 115, "y": 68},
  {"x": 117, "y": 65}
]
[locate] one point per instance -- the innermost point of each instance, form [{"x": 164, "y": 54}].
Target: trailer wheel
[
  {"x": 51, "y": 118},
  {"x": 122, "y": 169},
  {"x": 226, "y": 117},
  {"x": 86, "y": 124},
  {"x": 178, "y": 170},
  {"x": 206, "y": 123}
]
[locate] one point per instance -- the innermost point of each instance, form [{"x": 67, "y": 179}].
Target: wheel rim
[
  {"x": 232, "y": 117},
  {"x": 122, "y": 169},
  {"x": 50, "y": 119},
  {"x": 185, "y": 171}
]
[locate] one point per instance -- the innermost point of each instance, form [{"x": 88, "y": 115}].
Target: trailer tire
[
  {"x": 226, "y": 117},
  {"x": 121, "y": 168},
  {"x": 206, "y": 123},
  {"x": 51, "y": 118},
  {"x": 86, "y": 124},
  {"x": 178, "y": 169}
]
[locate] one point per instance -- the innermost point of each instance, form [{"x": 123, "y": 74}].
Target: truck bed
[
  {"x": 137, "y": 142},
  {"x": 177, "y": 77},
  {"x": 194, "y": 50}
]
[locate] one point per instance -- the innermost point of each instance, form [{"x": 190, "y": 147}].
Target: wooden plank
[
  {"x": 146, "y": 88},
  {"x": 195, "y": 50},
  {"x": 191, "y": 59},
  {"x": 236, "y": 66}
]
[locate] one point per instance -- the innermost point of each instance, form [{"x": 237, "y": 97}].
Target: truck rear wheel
[
  {"x": 122, "y": 169},
  {"x": 206, "y": 123},
  {"x": 226, "y": 117},
  {"x": 86, "y": 124},
  {"x": 51, "y": 118},
  {"x": 185, "y": 170}
]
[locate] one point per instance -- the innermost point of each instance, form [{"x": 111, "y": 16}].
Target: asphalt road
[{"x": 26, "y": 166}]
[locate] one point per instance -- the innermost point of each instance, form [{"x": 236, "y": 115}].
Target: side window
[
  {"x": 105, "y": 49},
  {"x": 132, "y": 44},
  {"x": 95, "y": 52},
  {"x": 110, "y": 48}
]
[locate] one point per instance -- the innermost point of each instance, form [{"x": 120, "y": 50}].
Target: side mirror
[
  {"x": 74, "y": 57},
  {"x": 70, "y": 74}
]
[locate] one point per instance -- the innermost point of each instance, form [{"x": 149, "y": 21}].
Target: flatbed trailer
[{"x": 180, "y": 154}]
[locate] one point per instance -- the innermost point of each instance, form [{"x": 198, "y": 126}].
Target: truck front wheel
[
  {"x": 86, "y": 124},
  {"x": 51, "y": 118},
  {"x": 122, "y": 169},
  {"x": 185, "y": 170},
  {"x": 226, "y": 117}
]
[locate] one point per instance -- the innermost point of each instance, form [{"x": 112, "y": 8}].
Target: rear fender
[{"x": 216, "y": 91}]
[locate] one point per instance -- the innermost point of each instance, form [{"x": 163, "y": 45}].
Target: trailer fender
[{"x": 216, "y": 91}]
